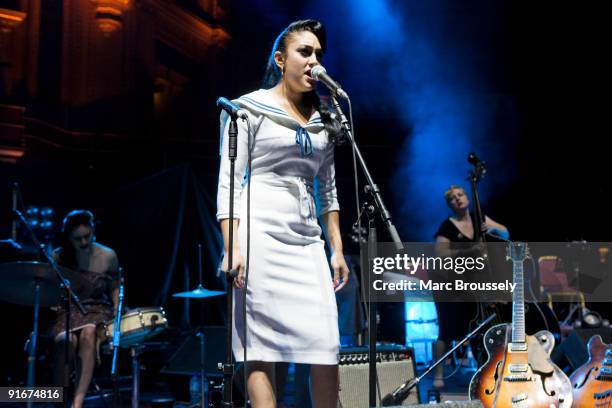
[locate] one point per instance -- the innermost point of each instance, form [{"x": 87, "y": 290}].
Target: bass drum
[{"x": 138, "y": 325}]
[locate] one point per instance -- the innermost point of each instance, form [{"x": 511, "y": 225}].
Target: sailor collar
[{"x": 260, "y": 102}]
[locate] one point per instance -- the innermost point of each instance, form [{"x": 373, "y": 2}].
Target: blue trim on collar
[
  {"x": 271, "y": 109},
  {"x": 264, "y": 106}
]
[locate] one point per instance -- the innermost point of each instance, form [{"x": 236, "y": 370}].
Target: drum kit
[{"x": 36, "y": 284}]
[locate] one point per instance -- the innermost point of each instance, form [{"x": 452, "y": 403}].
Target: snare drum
[{"x": 138, "y": 325}]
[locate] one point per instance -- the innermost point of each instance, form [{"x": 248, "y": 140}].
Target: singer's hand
[
  {"x": 237, "y": 263},
  {"x": 340, "y": 269},
  {"x": 484, "y": 227}
]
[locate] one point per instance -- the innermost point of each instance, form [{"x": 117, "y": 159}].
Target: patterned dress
[{"x": 98, "y": 303}]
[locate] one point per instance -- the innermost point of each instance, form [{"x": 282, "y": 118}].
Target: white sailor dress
[{"x": 290, "y": 302}]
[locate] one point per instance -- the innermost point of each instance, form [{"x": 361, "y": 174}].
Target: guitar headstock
[{"x": 517, "y": 251}]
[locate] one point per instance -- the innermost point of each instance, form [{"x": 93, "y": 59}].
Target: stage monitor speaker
[
  {"x": 186, "y": 359},
  {"x": 395, "y": 365}
]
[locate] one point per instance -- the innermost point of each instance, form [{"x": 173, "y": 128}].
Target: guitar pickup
[
  {"x": 517, "y": 347},
  {"x": 518, "y": 368}
]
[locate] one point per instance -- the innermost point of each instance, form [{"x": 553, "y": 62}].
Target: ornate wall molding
[
  {"x": 183, "y": 30},
  {"x": 109, "y": 14}
]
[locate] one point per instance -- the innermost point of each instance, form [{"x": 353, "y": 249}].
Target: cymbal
[
  {"x": 18, "y": 282},
  {"x": 199, "y": 293}
]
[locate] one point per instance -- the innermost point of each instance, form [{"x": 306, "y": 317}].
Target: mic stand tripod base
[{"x": 401, "y": 392}]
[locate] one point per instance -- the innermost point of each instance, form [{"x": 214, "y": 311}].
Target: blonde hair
[{"x": 449, "y": 192}]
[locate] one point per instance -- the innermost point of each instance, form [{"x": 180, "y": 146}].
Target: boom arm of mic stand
[
  {"x": 401, "y": 392},
  {"x": 373, "y": 188},
  {"x": 53, "y": 264}
]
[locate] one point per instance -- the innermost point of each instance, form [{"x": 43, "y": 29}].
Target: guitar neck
[{"x": 518, "y": 303}]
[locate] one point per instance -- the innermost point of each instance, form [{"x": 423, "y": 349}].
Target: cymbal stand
[{"x": 203, "y": 379}]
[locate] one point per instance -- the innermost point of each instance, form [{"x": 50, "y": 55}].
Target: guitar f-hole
[
  {"x": 543, "y": 379},
  {"x": 586, "y": 377},
  {"x": 496, "y": 377}
]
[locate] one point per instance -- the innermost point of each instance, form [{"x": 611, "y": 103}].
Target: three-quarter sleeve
[
  {"x": 223, "y": 188},
  {"x": 327, "y": 197}
]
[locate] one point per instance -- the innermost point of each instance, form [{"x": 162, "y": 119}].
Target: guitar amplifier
[{"x": 394, "y": 366}]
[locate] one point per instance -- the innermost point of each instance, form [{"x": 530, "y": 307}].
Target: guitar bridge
[{"x": 517, "y": 378}]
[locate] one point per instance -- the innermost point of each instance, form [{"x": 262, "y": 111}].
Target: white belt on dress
[{"x": 304, "y": 187}]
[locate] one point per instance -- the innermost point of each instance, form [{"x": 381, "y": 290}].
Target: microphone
[
  {"x": 319, "y": 73},
  {"x": 231, "y": 108}
]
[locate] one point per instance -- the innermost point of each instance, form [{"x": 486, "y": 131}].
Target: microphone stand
[
  {"x": 68, "y": 296},
  {"x": 371, "y": 187},
  {"x": 375, "y": 205},
  {"x": 401, "y": 392},
  {"x": 228, "y": 367}
]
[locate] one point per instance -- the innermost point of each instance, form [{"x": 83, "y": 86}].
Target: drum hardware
[
  {"x": 135, "y": 326},
  {"x": 42, "y": 284},
  {"x": 201, "y": 293},
  {"x": 62, "y": 293},
  {"x": 135, "y": 352}
]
